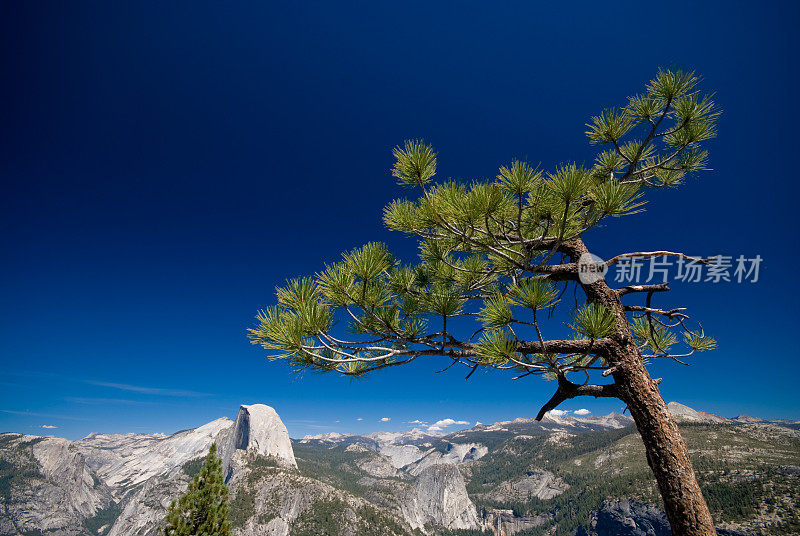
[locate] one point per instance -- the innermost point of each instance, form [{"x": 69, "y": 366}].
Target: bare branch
[
  {"x": 660, "y": 287},
  {"x": 672, "y": 313},
  {"x": 616, "y": 259},
  {"x": 567, "y": 390}
]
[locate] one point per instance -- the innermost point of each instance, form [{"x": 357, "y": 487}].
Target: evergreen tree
[
  {"x": 203, "y": 509},
  {"x": 503, "y": 252}
]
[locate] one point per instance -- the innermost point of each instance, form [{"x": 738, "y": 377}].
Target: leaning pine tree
[
  {"x": 503, "y": 252},
  {"x": 203, "y": 509}
]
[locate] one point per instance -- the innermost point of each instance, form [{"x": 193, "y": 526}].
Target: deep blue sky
[{"x": 165, "y": 165}]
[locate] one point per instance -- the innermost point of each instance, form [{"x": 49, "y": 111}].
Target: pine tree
[
  {"x": 203, "y": 509},
  {"x": 504, "y": 252}
]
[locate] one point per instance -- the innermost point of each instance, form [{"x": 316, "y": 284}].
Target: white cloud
[
  {"x": 417, "y": 421},
  {"x": 558, "y": 412},
  {"x": 359, "y": 418},
  {"x": 449, "y": 422},
  {"x": 49, "y": 426},
  {"x": 439, "y": 425},
  {"x": 385, "y": 419},
  {"x": 582, "y": 412}
]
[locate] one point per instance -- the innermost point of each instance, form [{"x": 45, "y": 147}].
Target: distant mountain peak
[
  {"x": 259, "y": 429},
  {"x": 747, "y": 418},
  {"x": 684, "y": 413}
]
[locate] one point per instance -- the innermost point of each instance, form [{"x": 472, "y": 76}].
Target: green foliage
[
  {"x": 496, "y": 347},
  {"x": 519, "y": 179},
  {"x": 242, "y": 507},
  {"x": 323, "y": 518},
  {"x": 488, "y": 251},
  {"x": 335, "y": 466},
  {"x": 700, "y": 342},
  {"x": 652, "y": 335},
  {"x": 204, "y": 508},
  {"x": 103, "y": 517},
  {"x": 15, "y": 474},
  {"x": 534, "y": 293},
  {"x": 415, "y": 163},
  {"x": 569, "y": 183},
  {"x": 376, "y": 523},
  {"x": 496, "y": 312},
  {"x": 734, "y": 501},
  {"x": 193, "y": 467},
  {"x": 592, "y": 321},
  {"x": 617, "y": 199}
]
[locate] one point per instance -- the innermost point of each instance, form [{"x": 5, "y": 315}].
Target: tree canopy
[
  {"x": 203, "y": 509},
  {"x": 493, "y": 250}
]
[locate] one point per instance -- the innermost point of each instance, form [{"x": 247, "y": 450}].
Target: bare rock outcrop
[
  {"x": 125, "y": 461},
  {"x": 47, "y": 487},
  {"x": 258, "y": 430},
  {"x": 439, "y": 497},
  {"x": 454, "y": 454},
  {"x": 537, "y": 483},
  {"x": 506, "y": 523},
  {"x": 687, "y": 414}
]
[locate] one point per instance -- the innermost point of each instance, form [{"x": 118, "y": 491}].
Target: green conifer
[{"x": 203, "y": 509}]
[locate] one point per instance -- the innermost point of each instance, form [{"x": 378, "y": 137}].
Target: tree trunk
[{"x": 666, "y": 451}]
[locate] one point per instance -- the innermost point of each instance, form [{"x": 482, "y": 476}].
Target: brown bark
[{"x": 666, "y": 451}]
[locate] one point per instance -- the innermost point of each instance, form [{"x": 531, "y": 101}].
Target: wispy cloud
[
  {"x": 105, "y": 401},
  {"x": 49, "y": 426},
  {"x": 359, "y": 418},
  {"x": 385, "y": 419},
  {"x": 147, "y": 390}
]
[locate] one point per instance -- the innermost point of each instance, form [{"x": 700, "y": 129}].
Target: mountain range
[{"x": 571, "y": 475}]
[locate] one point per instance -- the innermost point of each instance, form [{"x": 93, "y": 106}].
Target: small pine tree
[{"x": 203, "y": 509}]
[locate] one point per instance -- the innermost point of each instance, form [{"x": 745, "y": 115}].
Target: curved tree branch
[{"x": 567, "y": 390}]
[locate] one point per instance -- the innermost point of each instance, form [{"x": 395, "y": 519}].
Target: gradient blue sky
[{"x": 165, "y": 165}]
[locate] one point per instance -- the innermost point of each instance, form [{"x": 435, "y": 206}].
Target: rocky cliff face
[
  {"x": 259, "y": 430},
  {"x": 126, "y": 461},
  {"x": 536, "y": 483},
  {"x": 46, "y": 486},
  {"x": 439, "y": 497},
  {"x": 142, "y": 513},
  {"x": 270, "y": 498},
  {"x": 627, "y": 518},
  {"x": 631, "y": 518},
  {"x": 454, "y": 454},
  {"x": 65, "y": 487},
  {"x": 503, "y": 522}
]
